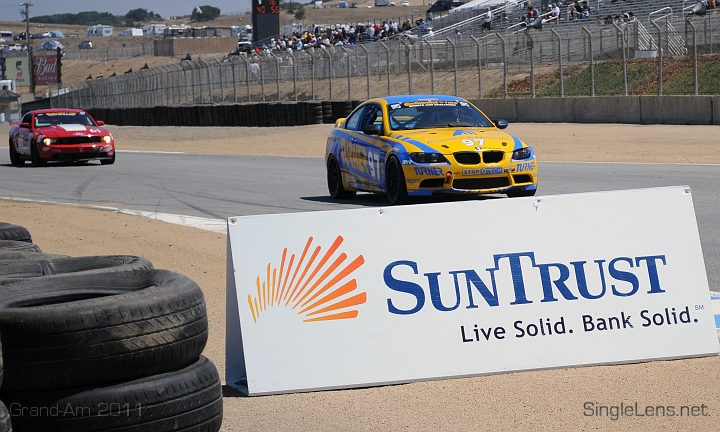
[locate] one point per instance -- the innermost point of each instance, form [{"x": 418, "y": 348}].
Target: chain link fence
[{"x": 513, "y": 62}]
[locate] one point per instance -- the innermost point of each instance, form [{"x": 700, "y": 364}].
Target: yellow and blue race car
[{"x": 420, "y": 145}]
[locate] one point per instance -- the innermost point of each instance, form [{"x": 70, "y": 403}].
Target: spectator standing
[{"x": 487, "y": 21}]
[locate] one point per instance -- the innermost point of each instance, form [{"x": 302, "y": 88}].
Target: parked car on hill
[{"x": 86, "y": 44}]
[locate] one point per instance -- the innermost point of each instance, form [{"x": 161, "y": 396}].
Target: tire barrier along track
[
  {"x": 14, "y": 245},
  {"x": 269, "y": 114},
  {"x": 186, "y": 399},
  {"x": 20, "y": 270},
  {"x": 88, "y": 329},
  {"x": 14, "y": 232}
]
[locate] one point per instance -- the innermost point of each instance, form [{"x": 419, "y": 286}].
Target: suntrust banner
[{"x": 353, "y": 298}]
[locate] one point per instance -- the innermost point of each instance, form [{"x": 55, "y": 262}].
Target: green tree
[
  {"x": 206, "y": 13},
  {"x": 300, "y": 13},
  {"x": 141, "y": 15}
]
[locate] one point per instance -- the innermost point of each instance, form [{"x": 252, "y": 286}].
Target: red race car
[{"x": 60, "y": 134}]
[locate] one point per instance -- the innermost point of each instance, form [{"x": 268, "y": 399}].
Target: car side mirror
[
  {"x": 371, "y": 129},
  {"x": 500, "y": 123},
  {"x": 100, "y": 122},
  {"x": 339, "y": 122},
  {"x": 25, "y": 125}
]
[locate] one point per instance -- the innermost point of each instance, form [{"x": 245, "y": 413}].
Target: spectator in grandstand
[{"x": 487, "y": 21}]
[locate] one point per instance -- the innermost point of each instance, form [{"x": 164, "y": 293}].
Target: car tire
[
  {"x": 335, "y": 182},
  {"x": 15, "y": 159},
  {"x": 395, "y": 186},
  {"x": 88, "y": 329},
  {"x": 36, "y": 160},
  {"x": 10, "y": 231},
  {"x": 5, "y": 421},
  {"x": 108, "y": 161},
  {"x": 12, "y": 255},
  {"x": 519, "y": 192},
  {"x": 189, "y": 399},
  {"x": 20, "y": 270},
  {"x": 14, "y": 245}
]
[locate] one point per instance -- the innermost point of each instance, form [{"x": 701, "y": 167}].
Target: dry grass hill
[{"x": 78, "y": 70}]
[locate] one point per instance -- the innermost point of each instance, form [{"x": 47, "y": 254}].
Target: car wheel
[
  {"x": 14, "y": 157},
  {"x": 108, "y": 161},
  {"x": 518, "y": 192},
  {"x": 334, "y": 180},
  {"x": 395, "y": 186},
  {"x": 35, "y": 155}
]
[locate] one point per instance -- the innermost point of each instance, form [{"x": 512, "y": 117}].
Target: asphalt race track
[{"x": 220, "y": 186}]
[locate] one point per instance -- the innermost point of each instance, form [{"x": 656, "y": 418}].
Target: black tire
[
  {"x": 334, "y": 181},
  {"x": 15, "y": 159},
  {"x": 518, "y": 192},
  {"x": 20, "y": 270},
  {"x": 87, "y": 329},
  {"x": 13, "y": 245},
  {"x": 5, "y": 423},
  {"x": 395, "y": 186},
  {"x": 189, "y": 399},
  {"x": 10, "y": 255},
  {"x": 35, "y": 158},
  {"x": 14, "y": 232},
  {"x": 108, "y": 161}
]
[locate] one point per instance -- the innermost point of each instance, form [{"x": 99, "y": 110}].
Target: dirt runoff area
[{"x": 539, "y": 400}]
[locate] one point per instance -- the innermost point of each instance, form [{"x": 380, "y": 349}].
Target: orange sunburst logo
[{"x": 317, "y": 291}]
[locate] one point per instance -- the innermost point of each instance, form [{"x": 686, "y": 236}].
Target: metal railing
[{"x": 512, "y": 63}]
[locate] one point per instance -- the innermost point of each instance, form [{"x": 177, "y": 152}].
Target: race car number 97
[{"x": 374, "y": 164}]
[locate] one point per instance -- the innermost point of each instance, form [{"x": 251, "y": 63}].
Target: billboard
[
  {"x": 373, "y": 296},
  {"x": 17, "y": 69},
  {"x": 46, "y": 69}
]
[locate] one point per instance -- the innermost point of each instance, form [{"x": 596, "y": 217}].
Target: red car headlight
[
  {"x": 48, "y": 141},
  {"x": 107, "y": 139}
]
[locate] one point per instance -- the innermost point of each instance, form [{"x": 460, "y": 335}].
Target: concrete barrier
[
  {"x": 607, "y": 109},
  {"x": 691, "y": 110},
  {"x": 505, "y": 109},
  {"x": 546, "y": 110}
]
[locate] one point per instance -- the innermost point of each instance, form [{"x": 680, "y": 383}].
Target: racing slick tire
[
  {"x": 14, "y": 232},
  {"x": 5, "y": 422},
  {"x": 189, "y": 399},
  {"x": 36, "y": 160},
  {"x": 87, "y": 329},
  {"x": 334, "y": 181},
  {"x": 15, "y": 159},
  {"x": 108, "y": 161},
  {"x": 519, "y": 192},
  {"x": 395, "y": 186},
  {"x": 20, "y": 270},
  {"x": 14, "y": 245}
]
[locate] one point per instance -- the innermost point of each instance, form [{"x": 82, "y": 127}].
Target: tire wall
[
  {"x": 689, "y": 110},
  {"x": 269, "y": 114}
]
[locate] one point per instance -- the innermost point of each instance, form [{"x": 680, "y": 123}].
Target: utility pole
[{"x": 31, "y": 66}]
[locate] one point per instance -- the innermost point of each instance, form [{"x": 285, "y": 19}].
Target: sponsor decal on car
[{"x": 482, "y": 171}]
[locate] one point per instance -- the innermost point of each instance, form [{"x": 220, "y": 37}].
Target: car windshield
[
  {"x": 435, "y": 114},
  {"x": 59, "y": 118}
]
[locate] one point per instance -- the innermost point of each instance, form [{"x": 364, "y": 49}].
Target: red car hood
[{"x": 71, "y": 130}]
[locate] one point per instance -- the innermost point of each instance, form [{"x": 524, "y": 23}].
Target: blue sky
[{"x": 10, "y": 10}]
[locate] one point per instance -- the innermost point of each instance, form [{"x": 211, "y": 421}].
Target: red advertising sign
[{"x": 46, "y": 69}]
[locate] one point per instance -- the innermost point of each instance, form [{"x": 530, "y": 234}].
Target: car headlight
[
  {"x": 522, "y": 153},
  {"x": 427, "y": 157},
  {"x": 107, "y": 139},
  {"x": 48, "y": 141}
]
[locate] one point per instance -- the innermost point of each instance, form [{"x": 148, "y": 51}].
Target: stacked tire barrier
[
  {"x": 102, "y": 343},
  {"x": 257, "y": 114}
]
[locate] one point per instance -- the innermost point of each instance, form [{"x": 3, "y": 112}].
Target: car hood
[
  {"x": 451, "y": 140},
  {"x": 70, "y": 130}
]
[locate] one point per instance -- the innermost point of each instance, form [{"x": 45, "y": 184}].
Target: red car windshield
[{"x": 60, "y": 118}]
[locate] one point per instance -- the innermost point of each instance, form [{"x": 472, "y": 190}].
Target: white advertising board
[{"x": 372, "y": 296}]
